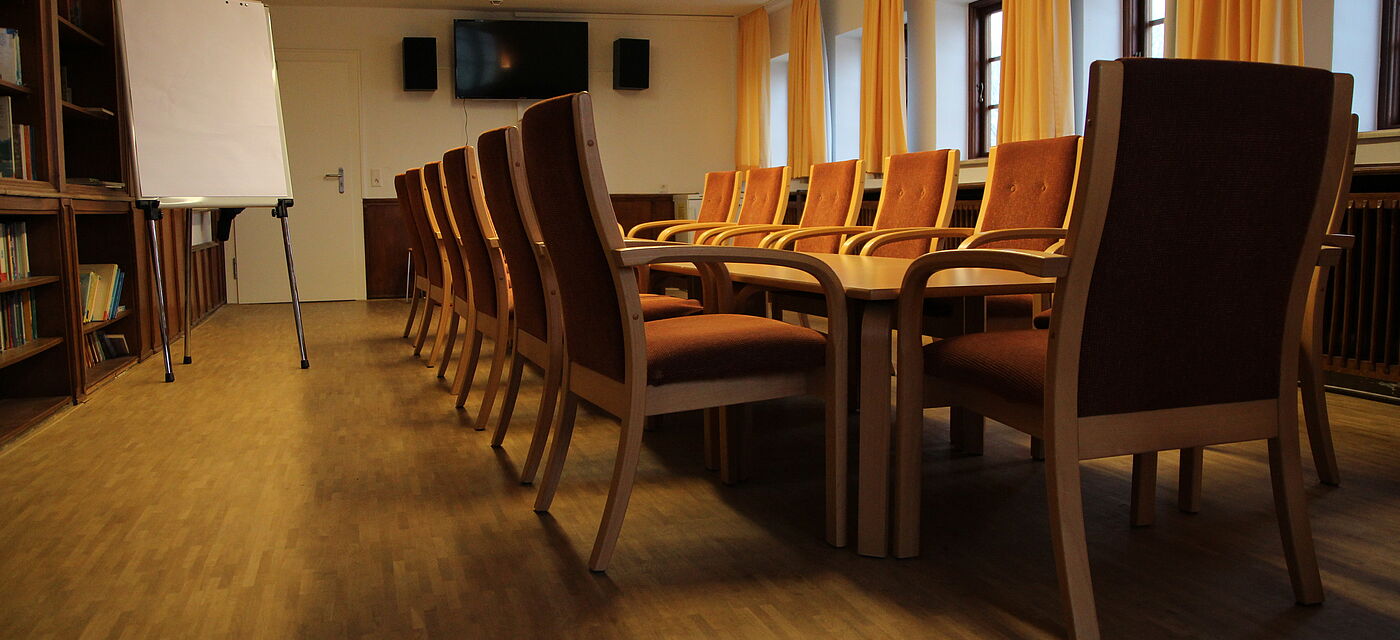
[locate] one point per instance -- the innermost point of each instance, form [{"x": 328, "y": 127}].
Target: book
[
  {"x": 7, "y": 137},
  {"x": 115, "y": 306},
  {"x": 9, "y": 56},
  {"x": 99, "y": 304},
  {"x": 19, "y": 318},
  {"x": 85, "y": 284},
  {"x": 14, "y": 251}
]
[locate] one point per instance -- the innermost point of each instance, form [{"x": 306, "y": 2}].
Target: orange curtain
[
  {"x": 806, "y": 88},
  {"x": 1246, "y": 30},
  {"x": 1037, "y": 63},
  {"x": 882, "y": 88},
  {"x": 754, "y": 56}
]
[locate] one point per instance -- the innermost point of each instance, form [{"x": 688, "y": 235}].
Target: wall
[{"x": 661, "y": 139}]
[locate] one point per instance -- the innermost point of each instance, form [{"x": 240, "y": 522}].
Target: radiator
[{"x": 1361, "y": 319}]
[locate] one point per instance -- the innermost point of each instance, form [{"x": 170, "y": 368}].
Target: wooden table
[{"x": 872, "y": 286}]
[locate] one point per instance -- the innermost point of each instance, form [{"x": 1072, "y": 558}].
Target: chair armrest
[
  {"x": 641, "y": 242},
  {"x": 494, "y": 242},
  {"x": 911, "y": 296},
  {"x": 711, "y": 254},
  {"x": 1330, "y": 256},
  {"x": 674, "y": 230},
  {"x": 1000, "y": 235},
  {"x": 787, "y": 240},
  {"x": 866, "y": 243},
  {"x": 1339, "y": 240},
  {"x": 655, "y": 225},
  {"x": 718, "y": 236}
]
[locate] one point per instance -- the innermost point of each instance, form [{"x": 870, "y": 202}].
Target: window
[
  {"x": 1388, "y": 89},
  {"x": 1145, "y": 28},
  {"x": 845, "y": 96},
  {"x": 777, "y": 111},
  {"x": 984, "y": 82}
]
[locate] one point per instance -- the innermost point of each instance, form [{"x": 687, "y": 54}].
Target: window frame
[
  {"x": 977, "y": 62},
  {"x": 1136, "y": 26},
  {"x": 1388, "y": 86}
]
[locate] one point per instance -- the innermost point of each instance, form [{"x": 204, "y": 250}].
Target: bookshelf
[{"x": 36, "y": 377}]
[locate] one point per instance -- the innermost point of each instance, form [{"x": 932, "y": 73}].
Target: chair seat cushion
[
  {"x": 721, "y": 345},
  {"x": 1014, "y": 306},
  {"x": 658, "y": 307},
  {"x": 1042, "y": 319},
  {"x": 1008, "y": 363}
]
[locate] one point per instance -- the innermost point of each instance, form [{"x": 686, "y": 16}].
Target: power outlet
[{"x": 375, "y": 178}]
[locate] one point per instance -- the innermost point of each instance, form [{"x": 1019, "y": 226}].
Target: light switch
[{"x": 374, "y": 178}]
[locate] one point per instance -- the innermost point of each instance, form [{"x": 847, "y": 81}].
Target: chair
[
  {"x": 419, "y": 288},
  {"x": 1220, "y": 202},
  {"x": 434, "y": 257},
  {"x": 833, "y": 199},
  {"x": 718, "y": 204},
  {"x": 632, "y": 369},
  {"x": 765, "y": 201},
  {"x": 461, "y": 288}
]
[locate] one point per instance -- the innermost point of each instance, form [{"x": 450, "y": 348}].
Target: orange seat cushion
[
  {"x": 1008, "y": 363},
  {"x": 659, "y": 307},
  {"x": 1013, "y": 306},
  {"x": 721, "y": 345}
]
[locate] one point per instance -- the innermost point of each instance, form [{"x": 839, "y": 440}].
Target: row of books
[
  {"x": 16, "y": 144},
  {"x": 19, "y": 319},
  {"x": 14, "y": 251},
  {"x": 100, "y": 286},
  {"x": 10, "y": 68},
  {"x": 100, "y": 346}
]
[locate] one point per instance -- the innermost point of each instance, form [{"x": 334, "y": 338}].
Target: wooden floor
[{"x": 252, "y": 499}]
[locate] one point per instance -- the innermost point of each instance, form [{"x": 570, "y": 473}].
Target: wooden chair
[
  {"x": 833, "y": 199},
  {"x": 461, "y": 288},
  {"x": 1208, "y": 353},
  {"x": 765, "y": 201},
  {"x": 435, "y": 261},
  {"x": 632, "y": 368},
  {"x": 718, "y": 204},
  {"x": 419, "y": 288}
]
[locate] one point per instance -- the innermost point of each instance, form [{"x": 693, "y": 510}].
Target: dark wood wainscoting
[
  {"x": 208, "y": 289},
  {"x": 635, "y": 208}
]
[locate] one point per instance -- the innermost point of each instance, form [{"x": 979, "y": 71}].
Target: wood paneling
[
  {"x": 386, "y": 249},
  {"x": 634, "y": 209},
  {"x": 208, "y": 290}
]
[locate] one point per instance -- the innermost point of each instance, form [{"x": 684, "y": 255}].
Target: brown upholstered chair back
[
  {"x": 833, "y": 197},
  {"x": 442, "y": 214},
  {"x": 1029, "y": 184},
  {"x": 1211, "y": 215},
  {"x": 432, "y": 258},
  {"x": 918, "y": 191},
  {"x": 415, "y": 242},
  {"x": 765, "y": 196},
  {"x": 457, "y": 171},
  {"x": 578, "y": 249},
  {"x": 527, "y": 287},
  {"x": 721, "y": 190}
]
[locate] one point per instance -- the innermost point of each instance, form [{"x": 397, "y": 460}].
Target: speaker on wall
[
  {"x": 631, "y": 63},
  {"x": 420, "y": 64}
]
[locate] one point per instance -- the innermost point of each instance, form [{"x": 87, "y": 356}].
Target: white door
[{"x": 321, "y": 117}]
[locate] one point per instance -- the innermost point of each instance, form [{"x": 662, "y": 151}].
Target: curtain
[
  {"x": 1246, "y": 30},
  {"x": 806, "y": 88},
  {"x": 754, "y": 55},
  {"x": 882, "y": 83},
  {"x": 1037, "y": 86}
]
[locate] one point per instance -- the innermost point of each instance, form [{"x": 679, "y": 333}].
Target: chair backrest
[
  {"x": 427, "y": 233},
  {"x": 441, "y": 212},
  {"x": 720, "y": 201},
  {"x": 1196, "y": 227},
  {"x": 919, "y": 190},
  {"x": 526, "y": 283},
  {"x": 1029, "y": 184},
  {"x": 459, "y": 172},
  {"x": 415, "y": 241},
  {"x": 575, "y": 219},
  {"x": 833, "y": 200},
  {"x": 765, "y": 196}
]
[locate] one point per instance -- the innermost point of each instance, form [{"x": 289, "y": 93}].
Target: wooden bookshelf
[
  {"x": 30, "y": 349},
  {"x": 26, "y": 283},
  {"x": 18, "y": 414},
  {"x": 89, "y": 327},
  {"x": 11, "y": 89},
  {"x": 68, "y": 30},
  {"x": 98, "y": 374}
]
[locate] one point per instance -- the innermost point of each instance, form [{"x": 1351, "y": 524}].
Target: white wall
[
  {"x": 1356, "y": 49},
  {"x": 662, "y": 139}
]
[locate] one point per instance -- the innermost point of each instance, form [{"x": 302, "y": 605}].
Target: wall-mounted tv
[{"x": 513, "y": 59}]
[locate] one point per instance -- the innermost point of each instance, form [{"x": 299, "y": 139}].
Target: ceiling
[{"x": 653, "y": 7}]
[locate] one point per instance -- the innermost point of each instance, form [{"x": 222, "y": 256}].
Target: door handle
[{"x": 339, "y": 175}]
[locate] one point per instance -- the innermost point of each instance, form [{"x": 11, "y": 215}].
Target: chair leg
[
  {"x": 451, "y": 343},
  {"x": 517, "y": 369},
  {"x": 712, "y": 437},
  {"x": 1315, "y": 415},
  {"x": 1067, "y": 537},
  {"x": 427, "y": 322},
  {"x": 412, "y": 311},
  {"x": 466, "y": 365},
  {"x": 1144, "y": 489},
  {"x": 731, "y": 443},
  {"x": 968, "y": 429},
  {"x": 1188, "y": 485},
  {"x": 499, "y": 354},
  {"x": 629, "y": 449},
  {"x": 549, "y": 402},
  {"x": 558, "y": 451},
  {"x": 1037, "y": 449},
  {"x": 440, "y": 341},
  {"x": 1286, "y": 471}
]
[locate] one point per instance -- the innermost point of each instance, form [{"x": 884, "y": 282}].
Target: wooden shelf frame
[
  {"x": 16, "y": 355},
  {"x": 67, "y": 28},
  {"x": 21, "y": 284},
  {"x": 89, "y": 327}
]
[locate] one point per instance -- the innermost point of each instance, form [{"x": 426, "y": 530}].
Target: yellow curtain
[
  {"x": 754, "y": 56},
  {"x": 806, "y": 88},
  {"x": 1037, "y": 61},
  {"x": 1246, "y": 30},
  {"x": 882, "y": 82}
]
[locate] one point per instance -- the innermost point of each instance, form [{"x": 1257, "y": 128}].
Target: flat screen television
[{"x": 513, "y": 59}]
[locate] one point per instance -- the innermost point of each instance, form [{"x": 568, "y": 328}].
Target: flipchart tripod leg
[
  {"x": 281, "y": 213},
  {"x": 153, "y": 216}
]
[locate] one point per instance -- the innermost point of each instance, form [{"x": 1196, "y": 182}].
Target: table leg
[
  {"x": 967, "y": 427},
  {"x": 873, "y": 507}
]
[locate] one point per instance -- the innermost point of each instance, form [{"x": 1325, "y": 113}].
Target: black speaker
[
  {"x": 631, "y": 63},
  {"x": 420, "y": 64}
]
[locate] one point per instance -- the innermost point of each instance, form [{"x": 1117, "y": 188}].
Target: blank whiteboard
[{"x": 206, "y": 118}]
